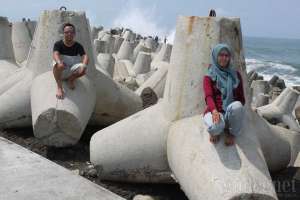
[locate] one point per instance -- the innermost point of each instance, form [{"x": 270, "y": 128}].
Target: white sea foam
[
  {"x": 142, "y": 21},
  {"x": 269, "y": 69}
]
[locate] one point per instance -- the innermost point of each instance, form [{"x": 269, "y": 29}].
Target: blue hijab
[{"x": 226, "y": 78}]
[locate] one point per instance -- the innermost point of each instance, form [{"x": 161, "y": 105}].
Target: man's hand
[
  {"x": 60, "y": 65},
  {"x": 56, "y": 56},
  {"x": 215, "y": 116}
]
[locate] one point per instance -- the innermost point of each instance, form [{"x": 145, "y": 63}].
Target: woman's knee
[{"x": 236, "y": 107}]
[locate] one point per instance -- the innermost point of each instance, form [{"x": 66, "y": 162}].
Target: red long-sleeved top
[{"x": 213, "y": 96}]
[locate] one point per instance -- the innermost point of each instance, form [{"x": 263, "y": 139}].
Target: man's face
[{"x": 69, "y": 33}]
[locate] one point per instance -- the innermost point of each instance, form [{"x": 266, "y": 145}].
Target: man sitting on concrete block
[{"x": 70, "y": 60}]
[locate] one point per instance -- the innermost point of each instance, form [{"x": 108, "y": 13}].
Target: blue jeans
[{"x": 233, "y": 119}]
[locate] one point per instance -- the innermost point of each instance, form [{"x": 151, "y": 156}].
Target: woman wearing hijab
[{"x": 224, "y": 97}]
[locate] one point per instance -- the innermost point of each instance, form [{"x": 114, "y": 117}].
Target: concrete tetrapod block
[
  {"x": 100, "y": 46},
  {"x": 126, "y": 51},
  {"x": 102, "y": 70},
  {"x": 118, "y": 42},
  {"x": 110, "y": 41},
  {"x": 130, "y": 156},
  {"x": 217, "y": 171},
  {"x": 15, "y": 110},
  {"x": 107, "y": 62},
  {"x": 261, "y": 100},
  {"x": 159, "y": 46},
  {"x": 273, "y": 80},
  {"x": 142, "y": 78},
  {"x": 163, "y": 55},
  {"x": 127, "y": 35},
  {"x": 95, "y": 31},
  {"x": 140, "y": 48},
  {"x": 252, "y": 77},
  {"x": 26, "y": 175},
  {"x": 143, "y": 197},
  {"x": 123, "y": 69},
  {"x": 101, "y": 34},
  {"x": 183, "y": 101},
  {"x": 56, "y": 122},
  {"x": 142, "y": 63},
  {"x": 6, "y": 50},
  {"x": 150, "y": 43},
  {"x": 157, "y": 81},
  {"x": 259, "y": 87},
  {"x": 13, "y": 79},
  {"x": 21, "y": 39},
  {"x": 7, "y": 58},
  {"x": 281, "y": 109},
  {"x": 7, "y": 68},
  {"x": 114, "y": 101}
]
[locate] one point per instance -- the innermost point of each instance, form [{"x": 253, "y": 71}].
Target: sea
[{"x": 273, "y": 56}]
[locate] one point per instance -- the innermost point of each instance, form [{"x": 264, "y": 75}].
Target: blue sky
[{"x": 261, "y": 18}]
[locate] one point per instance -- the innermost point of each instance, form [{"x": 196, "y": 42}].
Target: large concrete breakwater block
[
  {"x": 22, "y": 35},
  {"x": 97, "y": 99},
  {"x": 7, "y": 58},
  {"x": 281, "y": 109},
  {"x": 61, "y": 122},
  {"x": 157, "y": 80},
  {"x": 177, "y": 139}
]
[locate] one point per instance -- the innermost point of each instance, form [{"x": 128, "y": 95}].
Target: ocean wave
[
  {"x": 255, "y": 64},
  {"x": 268, "y": 69}
]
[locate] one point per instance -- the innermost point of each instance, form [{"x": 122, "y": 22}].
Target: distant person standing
[
  {"x": 70, "y": 60},
  {"x": 165, "y": 40}
]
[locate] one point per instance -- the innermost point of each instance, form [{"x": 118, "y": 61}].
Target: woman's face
[{"x": 224, "y": 58}]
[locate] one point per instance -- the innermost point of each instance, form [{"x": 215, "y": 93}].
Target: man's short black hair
[{"x": 68, "y": 24}]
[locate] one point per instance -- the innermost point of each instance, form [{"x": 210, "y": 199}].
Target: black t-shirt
[{"x": 74, "y": 50}]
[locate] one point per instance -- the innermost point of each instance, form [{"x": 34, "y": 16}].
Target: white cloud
[
  {"x": 171, "y": 36},
  {"x": 222, "y": 12},
  {"x": 140, "y": 20}
]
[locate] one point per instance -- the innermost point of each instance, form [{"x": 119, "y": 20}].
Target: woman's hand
[{"x": 215, "y": 116}]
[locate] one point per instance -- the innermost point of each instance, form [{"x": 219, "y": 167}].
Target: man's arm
[
  {"x": 85, "y": 59},
  {"x": 57, "y": 58}
]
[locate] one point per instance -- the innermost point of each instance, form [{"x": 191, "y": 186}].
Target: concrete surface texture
[
  {"x": 157, "y": 80},
  {"x": 22, "y": 35},
  {"x": 142, "y": 63},
  {"x": 7, "y": 58},
  {"x": 26, "y": 175},
  {"x": 281, "y": 109}
]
